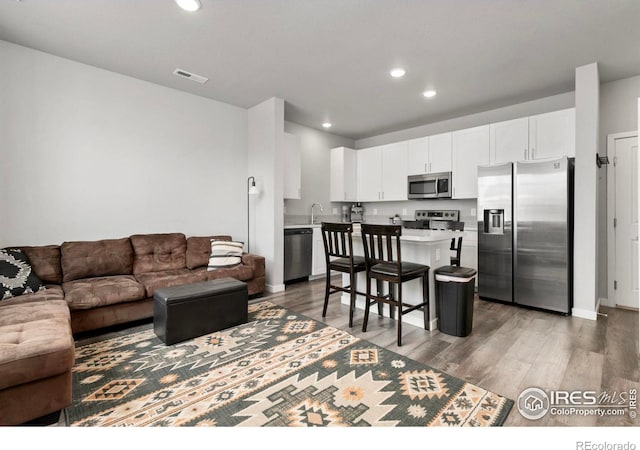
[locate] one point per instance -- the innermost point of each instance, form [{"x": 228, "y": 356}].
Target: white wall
[
  {"x": 89, "y": 154},
  {"x": 315, "y": 149},
  {"x": 265, "y": 163},
  {"x": 618, "y": 114}
]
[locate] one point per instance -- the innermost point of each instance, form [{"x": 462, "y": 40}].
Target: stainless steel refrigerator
[{"x": 525, "y": 233}]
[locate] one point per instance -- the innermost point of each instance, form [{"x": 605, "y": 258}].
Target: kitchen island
[{"x": 429, "y": 247}]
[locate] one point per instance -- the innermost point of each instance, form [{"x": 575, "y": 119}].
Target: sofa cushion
[
  {"x": 158, "y": 252},
  {"x": 45, "y": 261},
  {"x": 225, "y": 254},
  {"x": 199, "y": 250},
  {"x": 241, "y": 273},
  {"x": 101, "y": 291},
  {"x": 34, "y": 350},
  {"x": 16, "y": 275},
  {"x": 37, "y": 310},
  {"x": 51, "y": 293},
  {"x": 167, "y": 278},
  {"x": 86, "y": 259}
]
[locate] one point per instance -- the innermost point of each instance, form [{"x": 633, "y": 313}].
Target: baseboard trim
[
  {"x": 274, "y": 289},
  {"x": 585, "y": 313}
]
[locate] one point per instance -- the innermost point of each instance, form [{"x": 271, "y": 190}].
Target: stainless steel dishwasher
[{"x": 298, "y": 253}]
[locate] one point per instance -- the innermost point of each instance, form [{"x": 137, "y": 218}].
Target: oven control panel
[{"x": 444, "y": 215}]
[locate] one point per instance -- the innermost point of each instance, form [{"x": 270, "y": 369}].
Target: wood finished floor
[{"x": 509, "y": 350}]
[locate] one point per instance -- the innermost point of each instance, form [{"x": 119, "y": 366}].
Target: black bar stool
[
  {"x": 384, "y": 263},
  {"x": 338, "y": 250},
  {"x": 455, "y": 259}
]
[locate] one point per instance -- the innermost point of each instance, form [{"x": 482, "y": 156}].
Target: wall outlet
[
  {"x": 335, "y": 211},
  {"x": 473, "y": 211},
  {"x": 375, "y": 211},
  {"x": 437, "y": 254},
  {"x": 404, "y": 211}
]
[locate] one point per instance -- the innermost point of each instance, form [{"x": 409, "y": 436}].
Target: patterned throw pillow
[
  {"x": 16, "y": 276},
  {"x": 225, "y": 254}
]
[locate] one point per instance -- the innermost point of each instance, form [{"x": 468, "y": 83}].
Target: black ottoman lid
[{"x": 175, "y": 294}]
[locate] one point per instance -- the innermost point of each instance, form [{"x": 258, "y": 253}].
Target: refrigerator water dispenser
[{"x": 494, "y": 221}]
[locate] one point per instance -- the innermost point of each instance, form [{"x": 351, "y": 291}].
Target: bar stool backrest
[
  {"x": 382, "y": 244},
  {"x": 337, "y": 239}
]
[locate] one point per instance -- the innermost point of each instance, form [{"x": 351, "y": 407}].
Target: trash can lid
[{"x": 455, "y": 272}]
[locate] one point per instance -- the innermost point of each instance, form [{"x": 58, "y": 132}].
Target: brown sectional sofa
[{"x": 91, "y": 285}]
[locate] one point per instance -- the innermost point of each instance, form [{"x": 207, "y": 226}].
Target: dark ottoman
[{"x": 192, "y": 310}]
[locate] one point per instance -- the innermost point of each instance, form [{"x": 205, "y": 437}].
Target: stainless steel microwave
[{"x": 429, "y": 185}]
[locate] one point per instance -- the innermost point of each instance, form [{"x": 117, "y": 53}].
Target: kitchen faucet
[{"x": 313, "y": 219}]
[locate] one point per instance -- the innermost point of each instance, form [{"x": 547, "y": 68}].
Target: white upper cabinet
[
  {"x": 440, "y": 146},
  {"x": 553, "y": 134},
  {"x": 343, "y": 175},
  {"x": 430, "y": 154},
  {"x": 292, "y": 166},
  {"x": 394, "y": 171},
  {"x": 509, "y": 141},
  {"x": 418, "y": 156},
  {"x": 382, "y": 172},
  {"x": 369, "y": 163},
  {"x": 470, "y": 150}
]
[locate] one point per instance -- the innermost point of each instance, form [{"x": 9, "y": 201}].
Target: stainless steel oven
[{"x": 430, "y": 185}]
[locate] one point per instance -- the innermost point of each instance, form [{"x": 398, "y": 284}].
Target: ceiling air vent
[{"x": 190, "y": 76}]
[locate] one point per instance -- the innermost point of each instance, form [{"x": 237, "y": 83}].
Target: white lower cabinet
[
  {"x": 469, "y": 253},
  {"x": 318, "y": 262}
]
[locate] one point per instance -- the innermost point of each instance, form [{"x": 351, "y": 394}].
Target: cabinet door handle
[
  {"x": 525, "y": 154},
  {"x": 533, "y": 153},
  {"x": 345, "y": 195},
  {"x": 425, "y": 168}
]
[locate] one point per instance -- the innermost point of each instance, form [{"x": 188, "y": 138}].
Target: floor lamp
[{"x": 251, "y": 190}]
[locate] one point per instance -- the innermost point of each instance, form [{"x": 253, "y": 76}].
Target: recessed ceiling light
[
  {"x": 189, "y": 5},
  {"x": 398, "y": 72},
  {"x": 326, "y": 125},
  {"x": 429, "y": 94}
]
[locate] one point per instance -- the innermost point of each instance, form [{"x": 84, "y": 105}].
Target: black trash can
[{"x": 454, "y": 299}]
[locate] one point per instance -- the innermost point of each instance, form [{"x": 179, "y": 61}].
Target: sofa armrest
[{"x": 256, "y": 262}]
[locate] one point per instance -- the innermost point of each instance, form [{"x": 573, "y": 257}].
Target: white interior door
[{"x": 626, "y": 215}]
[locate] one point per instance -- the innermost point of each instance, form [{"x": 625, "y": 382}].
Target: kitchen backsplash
[{"x": 380, "y": 212}]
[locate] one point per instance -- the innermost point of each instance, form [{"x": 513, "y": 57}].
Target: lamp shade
[{"x": 253, "y": 190}]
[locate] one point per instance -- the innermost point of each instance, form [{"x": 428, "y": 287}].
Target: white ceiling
[{"x": 330, "y": 59}]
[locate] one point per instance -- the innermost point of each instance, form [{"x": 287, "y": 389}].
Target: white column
[
  {"x": 265, "y": 163},
  {"x": 585, "y": 271}
]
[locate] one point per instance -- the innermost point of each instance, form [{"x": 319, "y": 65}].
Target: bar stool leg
[
  {"x": 425, "y": 299},
  {"x": 399, "y": 303},
  {"x": 352, "y": 301},
  {"x": 366, "y": 305},
  {"x": 326, "y": 292},
  {"x": 392, "y": 296}
]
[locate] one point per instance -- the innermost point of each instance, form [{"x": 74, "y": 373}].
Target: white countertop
[
  {"x": 413, "y": 235},
  {"x": 408, "y": 234},
  {"x": 303, "y": 225}
]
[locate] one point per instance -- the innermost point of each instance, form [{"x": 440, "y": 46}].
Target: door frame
[{"x": 611, "y": 202}]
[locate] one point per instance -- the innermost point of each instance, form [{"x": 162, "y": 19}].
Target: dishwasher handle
[{"x": 291, "y": 231}]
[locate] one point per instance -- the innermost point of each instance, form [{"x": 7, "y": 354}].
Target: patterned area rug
[{"x": 280, "y": 369}]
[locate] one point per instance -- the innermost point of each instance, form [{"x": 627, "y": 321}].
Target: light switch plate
[
  {"x": 473, "y": 211},
  {"x": 437, "y": 254},
  {"x": 335, "y": 211},
  {"x": 404, "y": 211},
  {"x": 375, "y": 211}
]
